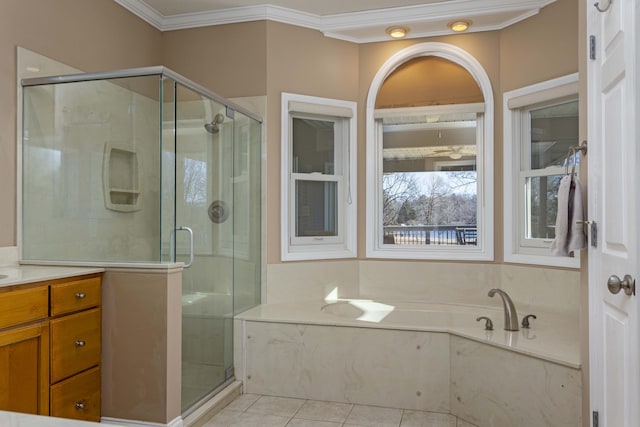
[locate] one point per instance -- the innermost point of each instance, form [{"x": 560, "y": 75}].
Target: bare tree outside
[
  {"x": 430, "y": 207},
  {"x": 397, "y": 188}
]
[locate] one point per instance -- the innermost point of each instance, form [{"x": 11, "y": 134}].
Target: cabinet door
[{"x": 24, "y": 369}]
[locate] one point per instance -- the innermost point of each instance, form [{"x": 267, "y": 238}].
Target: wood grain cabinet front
[
  {"x": 50, "y": 347},
  {"x": 75, "y": 343},
  {"x": 76, "y": 346},
  {"x": 76, "y": 295},
  {"x": 24, "y": 368},
  {"x": 23, "y": 305},
  {"x": 77, "y": 397}
]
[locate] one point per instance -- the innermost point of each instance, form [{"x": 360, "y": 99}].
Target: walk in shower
[{"x": 141, "y": 167}]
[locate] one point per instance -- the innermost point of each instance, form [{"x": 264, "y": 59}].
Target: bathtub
[{"x": 432, "y": 357}]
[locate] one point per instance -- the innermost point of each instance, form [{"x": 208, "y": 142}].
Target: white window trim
[
  {"x": 347, "y": 202},
  {"x": 374, "y": 240},
  {"x": 514, "y": 250}
]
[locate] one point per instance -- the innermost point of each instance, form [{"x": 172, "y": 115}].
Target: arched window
[{"x": 430, "y": 156}]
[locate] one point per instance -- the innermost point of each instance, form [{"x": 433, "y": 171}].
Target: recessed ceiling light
[
  {"x": 460, "y": 25},
  {"x": 397, "y": 32}
]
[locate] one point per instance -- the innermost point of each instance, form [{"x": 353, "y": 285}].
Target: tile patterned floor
[{"x": 250, "y": 410}]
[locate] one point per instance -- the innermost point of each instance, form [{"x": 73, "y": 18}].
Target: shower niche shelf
[{"x": 122, "y": 178}]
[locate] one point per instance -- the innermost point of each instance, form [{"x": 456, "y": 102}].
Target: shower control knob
[{"x": 628, "y": 283}]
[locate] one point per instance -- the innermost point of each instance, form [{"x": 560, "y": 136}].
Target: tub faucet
[{"x": 510, "y": 315}]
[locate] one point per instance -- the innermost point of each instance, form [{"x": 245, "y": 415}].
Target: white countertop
[
  {"x": 551, "y": 337},
  {"x": 22, "y": 274},
  {"x": 14, "y": 419}
]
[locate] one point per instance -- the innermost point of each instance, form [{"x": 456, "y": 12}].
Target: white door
[{"x": 614, "y": 204}]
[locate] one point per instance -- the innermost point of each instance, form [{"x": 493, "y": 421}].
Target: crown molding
[
  {"x": 143, "y": 11},
  {"x": 426, "y": 20}
]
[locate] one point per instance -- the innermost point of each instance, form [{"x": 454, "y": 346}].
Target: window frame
[
  {"x": 342, "y": 113},
  {"x": 517, "y": 105},
  {"x": 375, "y": 247}
]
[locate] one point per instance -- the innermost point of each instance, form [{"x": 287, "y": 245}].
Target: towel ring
[
  {"x": 605, "y": 8},
  {"x": 572, "y": 152}
]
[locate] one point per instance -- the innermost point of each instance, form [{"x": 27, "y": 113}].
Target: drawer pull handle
[
  {"x": 80, "y": 405},
  {"x": 80, "y": 343},
  {"x": 81, "y": 295}
]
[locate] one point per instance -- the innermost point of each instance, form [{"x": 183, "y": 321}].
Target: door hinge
[
  {"x": 592, "y": 47},
  {"x": 593, "y": 231},
  {"x": 595, "y": 419}
]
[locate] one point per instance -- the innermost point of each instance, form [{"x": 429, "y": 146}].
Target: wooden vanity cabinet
[
  {"x": 24, "y": 349},
  {"x": 75, "y": 331},
  {"x": 50, "y": 347}
]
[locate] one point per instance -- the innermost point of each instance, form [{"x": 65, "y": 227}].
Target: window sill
[
  {"x": 316, "y": 254},
  {"x": 543, "y": 260},
  {"x": 439, "y": 254}
]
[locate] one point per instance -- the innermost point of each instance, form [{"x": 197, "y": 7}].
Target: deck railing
[{"x": 431, "y": 235}]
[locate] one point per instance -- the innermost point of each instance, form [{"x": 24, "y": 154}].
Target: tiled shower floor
[{"x": 254, "y": 410}]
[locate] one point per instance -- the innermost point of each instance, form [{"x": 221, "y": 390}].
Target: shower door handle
[{"x": 190, "y": 231}]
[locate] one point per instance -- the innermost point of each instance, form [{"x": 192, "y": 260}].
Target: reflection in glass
[
  {"x": 313, "y": 146},
  {"x": 316, "y": 208},
  {"x": 553, "y": 130},
  {"x": 541, "y": 206}
]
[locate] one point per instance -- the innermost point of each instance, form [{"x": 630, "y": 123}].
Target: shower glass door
[{"x": 204, "y": 241}]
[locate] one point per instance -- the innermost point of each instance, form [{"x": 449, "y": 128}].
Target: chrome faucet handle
[
  {"x": 525, "y": 320},
  {"x": 488, "y": 326}
]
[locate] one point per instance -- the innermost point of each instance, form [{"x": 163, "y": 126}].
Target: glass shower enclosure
[{"x": 143, "y": 166}]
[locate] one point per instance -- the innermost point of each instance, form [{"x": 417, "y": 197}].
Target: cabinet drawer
[
  {"x": 75, "y": 296},
  {"x": 23, "y": 306},
  {"x": 77, "y": 397},
  {"x": 75, "y": 343}
]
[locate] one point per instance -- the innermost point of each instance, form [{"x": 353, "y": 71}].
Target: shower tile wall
[{"x": 67, "y": 129}]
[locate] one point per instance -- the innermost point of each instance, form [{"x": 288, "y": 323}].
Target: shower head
[{"x": 213, "y": 127}]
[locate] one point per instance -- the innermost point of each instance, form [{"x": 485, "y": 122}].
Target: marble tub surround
[
  {"x": 298, "y": 351},
  {"x": 494, "y": 388},
  {"x": 533, "y": 289},
  {"x": 305, "y": 281},
  {"x": 403, "y": 369},
  {"x": 249, "y": 409},
  {"x": 551, "y": 337}
]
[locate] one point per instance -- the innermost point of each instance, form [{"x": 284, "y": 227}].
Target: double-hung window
[
  {"x": 318, "y": 178},
  {"x": 541, "y": 124}
]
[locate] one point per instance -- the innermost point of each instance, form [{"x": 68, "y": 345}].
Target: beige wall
[
  {"x": 428, "y": 80},
  {"x": 89, "y": 35},
  {"x": 142, "y": 341},
  {"x": 230, "y": 60}
]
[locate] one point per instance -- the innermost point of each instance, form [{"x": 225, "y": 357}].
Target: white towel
[{"x": 570, "y": 232}]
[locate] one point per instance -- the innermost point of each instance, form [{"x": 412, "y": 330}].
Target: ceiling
[{"x": 359, "y": 21}]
